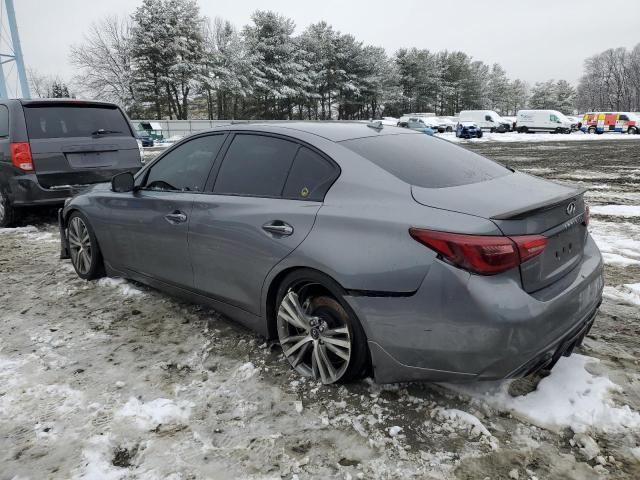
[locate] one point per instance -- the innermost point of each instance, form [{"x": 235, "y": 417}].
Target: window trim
[
  {"x": 213, "y": 175},
  {"x": 140, "y": 179}
]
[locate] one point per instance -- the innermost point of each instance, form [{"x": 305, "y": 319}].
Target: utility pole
[{"x": 14, "y": 54}]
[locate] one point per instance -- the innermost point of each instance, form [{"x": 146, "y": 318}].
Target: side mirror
[{"x": 123, "y": 182}]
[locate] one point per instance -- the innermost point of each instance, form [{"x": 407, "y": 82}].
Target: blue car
[{"x": 468, "y": 130}]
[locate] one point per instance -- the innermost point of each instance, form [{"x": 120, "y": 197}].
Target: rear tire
[
  {"x": 318, "y": 331},
  {"x": 8, "y": 214},
  {"x": 84, "y": 251}
]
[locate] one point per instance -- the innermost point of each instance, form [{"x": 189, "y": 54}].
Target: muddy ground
[{"x": 110, "y": 379}]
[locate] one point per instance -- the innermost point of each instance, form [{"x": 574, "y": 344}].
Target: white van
[
  {"x": 486, "y": 120},
  {"x": 542, "y": 121}
]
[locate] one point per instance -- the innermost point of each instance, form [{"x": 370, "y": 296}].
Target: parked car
[
  {"x": 550, "y": 121},
  {"x": 468, "y": 130},
  {"x": 601, "y": 122},
  {"x": 430, "y": 122},
  {"x": 356, "y": 247},
  {"x": 420, "y": 127},
  {"x": 145, "y": 138},
  {"x": 52, "y": 147},
  {"x": 576, "y": 122},
  {"x": 512, "y": 122},
  {"x": 486, "y": 120},
  {"x": 446, "y": 124}
]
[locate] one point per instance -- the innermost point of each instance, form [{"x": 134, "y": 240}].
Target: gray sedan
[{"x": 362, "y": 248}]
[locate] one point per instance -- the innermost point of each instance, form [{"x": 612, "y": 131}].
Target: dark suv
[{"x": 50, "y": 148}]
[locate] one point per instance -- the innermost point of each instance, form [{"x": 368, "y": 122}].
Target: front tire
[
  {"x": 7, "y": 212},
  {"x": 319, "y": 333},
  {"x": 84, "y": 251}
]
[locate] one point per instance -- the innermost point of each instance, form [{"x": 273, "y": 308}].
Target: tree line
[
  {"x": 611, "y": 81},
  {"x": 168, "y": 61}
]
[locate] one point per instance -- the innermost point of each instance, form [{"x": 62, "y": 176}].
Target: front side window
[
  {"x": 310, "y": 177},
  {"x": 255, "y": 165},
  {"x": 624, "y": 117},
  {"x": 553, "y": 118},
  {"x": 185, "y": 168}
]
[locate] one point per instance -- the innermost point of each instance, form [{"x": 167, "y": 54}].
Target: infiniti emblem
[{"x": 571, "y": 208}]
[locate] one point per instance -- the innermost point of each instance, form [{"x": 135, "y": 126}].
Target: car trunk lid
[
  {"x": 79, "y": 143},
  {"x": 520, "y": 204}
]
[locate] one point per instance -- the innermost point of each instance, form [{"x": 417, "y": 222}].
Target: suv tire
[{"x": 7, "y": 212}]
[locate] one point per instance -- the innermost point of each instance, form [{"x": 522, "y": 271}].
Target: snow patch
[
  {"x": 627, "y": 293},
  {"x": 462, "y": 419},
  {"x": 97, "y": 456},
  {"x": 246, "y": 371},
  {"x": 616, "y": 210},
  {"x": 121, "y": 284},
  {"x": 569, "y": 397},
  {"x": 159, "y": 411},
  {"x": 618, "y": 242}
]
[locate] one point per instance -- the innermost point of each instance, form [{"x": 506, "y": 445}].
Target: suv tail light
[
  {"x": 481, "y": 254},
  {"x": 21, "y": 156}
]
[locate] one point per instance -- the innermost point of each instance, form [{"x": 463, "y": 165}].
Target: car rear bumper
[
  {"x": 24, "y": 190},
  {"x": 463, "y": 327}
]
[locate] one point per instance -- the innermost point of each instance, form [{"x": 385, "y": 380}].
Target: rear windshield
[
  {"x": 74, "y": 121},
  {"x": 424, "y": 161}
]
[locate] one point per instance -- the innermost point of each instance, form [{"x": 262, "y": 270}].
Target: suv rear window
[
  {"x": 63, "y": 121},
  {"x": 424, "y": 161}
]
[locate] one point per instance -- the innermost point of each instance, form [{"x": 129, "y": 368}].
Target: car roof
[{"x": 336, "y": 131}]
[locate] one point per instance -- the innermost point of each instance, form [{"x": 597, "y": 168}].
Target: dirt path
[{"x": 109, "y": 379}]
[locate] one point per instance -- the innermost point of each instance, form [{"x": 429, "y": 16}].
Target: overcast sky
[{"x": 532, "y": 40}]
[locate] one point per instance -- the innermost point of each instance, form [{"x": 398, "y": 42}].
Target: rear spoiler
[{"x": 520, "y": 213}]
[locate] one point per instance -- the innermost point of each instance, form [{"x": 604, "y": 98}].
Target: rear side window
[
  {"x": 74, "y": 121},
  {"x": 310, "y": 177},
  {"x": 255, "y": 165},
  {"x": 425, "y": 161},
  {"x": 186, "y": 167},
  {"x": 4, "y": 121}
]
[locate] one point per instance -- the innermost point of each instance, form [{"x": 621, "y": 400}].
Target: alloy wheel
[
  {"x": 314, "y": 335},
  {"x": 80, "y": 245}
]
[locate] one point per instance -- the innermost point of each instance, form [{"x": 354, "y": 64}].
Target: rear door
[
  {"x": 264, "y": 201},
  {"x": 148, "y": 228},
  {"x": 79, "y": 143}
]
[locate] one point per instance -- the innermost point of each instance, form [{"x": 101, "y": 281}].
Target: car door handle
[
  {"x": 176, "y": 217},
  {"x": 278, "y": 227}
]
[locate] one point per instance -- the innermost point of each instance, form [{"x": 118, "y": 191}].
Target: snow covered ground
[
  {"x": 539, "y": 137},
  {"x": 113, "y": 380}
]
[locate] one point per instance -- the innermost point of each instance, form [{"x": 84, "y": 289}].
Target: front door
[
  {"x": 149, "y": 227},
  {"x": 265, "y": 198}
]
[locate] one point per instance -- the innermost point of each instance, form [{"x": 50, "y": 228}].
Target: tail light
[
  {"x": 586, "y": 216},
  {"x": 21, "y": 156},
  {"x": 484, "y": 255}
]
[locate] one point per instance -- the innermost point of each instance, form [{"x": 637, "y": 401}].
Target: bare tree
[{"x": 104, "y": 60}]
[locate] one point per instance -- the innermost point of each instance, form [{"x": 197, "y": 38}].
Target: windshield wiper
[{"x": 102, "y": 131}]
